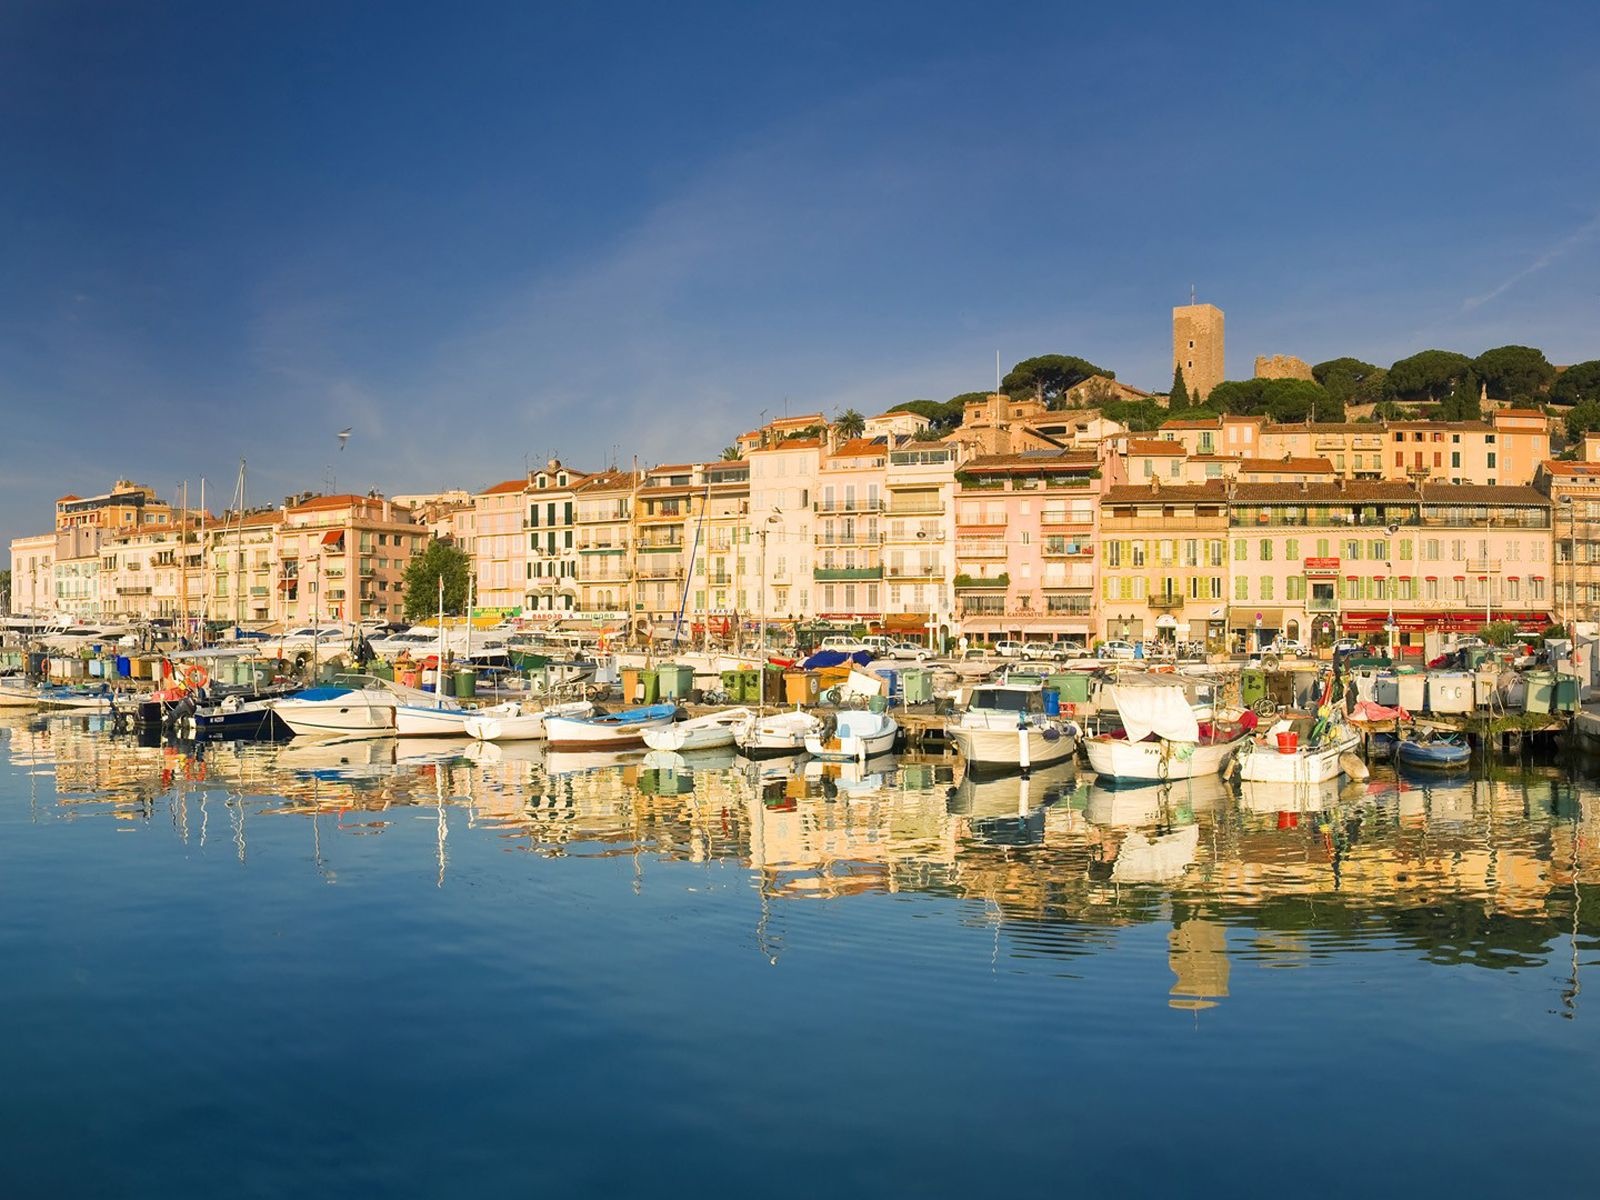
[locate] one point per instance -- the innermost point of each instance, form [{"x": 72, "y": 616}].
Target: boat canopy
[{"x": 1163, "y": 711}]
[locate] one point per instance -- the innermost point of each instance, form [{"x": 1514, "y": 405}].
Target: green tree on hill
[
  {"x": 1350, "y": 381},
  {"x": 439, "y": 560},
  {"x": 1514, "y": 372},
  {"x": 1049, "y": 377},
  {"x": 1428, "y": 375},
  {"x": 1578, "y": 383},
  {"x": 1179, "y": 396},
  {"x": 1464, "y": 403}
]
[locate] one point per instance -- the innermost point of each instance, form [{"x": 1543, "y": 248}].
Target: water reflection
[{"x": 1491, "y": 872}]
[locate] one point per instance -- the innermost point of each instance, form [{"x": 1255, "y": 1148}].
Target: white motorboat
[
  {"x": 17, "y": 692},
  {"x": 95, "y": 700},
  {"x": 1004, "y": 728},
  {"x": 607, "y": 731},
  {"x": 858, "y": 734},
  {"x": 776, "y": 734},
  {"x": 347, "y": 710},
  {"x": 1160, "y": 739},
  {"x": 519, "y": 720},
  {"x": 1265, "y": 761},
  {"x": 699, "y": 733}
]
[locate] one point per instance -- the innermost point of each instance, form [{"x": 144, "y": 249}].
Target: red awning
[
  {"x": 1433, "y": 578},
  {"x": 285, "y": 584},
  {"x": 333, "y": 537},
  {"x": 1463, "y": 578}
]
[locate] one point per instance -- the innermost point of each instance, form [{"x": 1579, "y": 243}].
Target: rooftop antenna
[
  {"x": 1191, "y": 295},
  {"x": 997, "y": 372}
]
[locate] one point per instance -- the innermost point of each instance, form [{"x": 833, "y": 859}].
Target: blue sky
[{"x": 487, "y": 233}]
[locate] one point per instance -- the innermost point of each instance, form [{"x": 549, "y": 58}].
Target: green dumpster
[
  {"x": 1541, "y": 691},
  {"x": 731, "y": 685},
  {"x": 676, "y": 680},
  {"x": 1072, "y": 685},
  {"x": 750, "y": 687},
  {"x": 446, "y": 685},
  {"x": 1025, "y": 680},
  {"x": 1566, "y": 692},
  {"x": 650, "y": 686},
  {"x": 466, "y": 684},
  {"x": 915, "y": 685},
  {"x": 1252, "y": 686},
  {"x": 382, "y": 670},
  {"x": 770, "y": 680}
]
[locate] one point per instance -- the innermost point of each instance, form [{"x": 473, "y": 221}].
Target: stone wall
[{"x": 1282, "y": 366}]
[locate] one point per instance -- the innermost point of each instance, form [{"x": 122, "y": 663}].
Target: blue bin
[
  {"x": 1052, "y": 702},
  {"x": 124, "y": 666}
]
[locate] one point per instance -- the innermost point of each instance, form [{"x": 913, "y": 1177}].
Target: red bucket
[{"x": 1288, "y": 742}]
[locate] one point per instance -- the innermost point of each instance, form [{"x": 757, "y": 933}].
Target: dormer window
[
  {"x": 561, "y": 479},
  {"x": 544, "y": 482}
]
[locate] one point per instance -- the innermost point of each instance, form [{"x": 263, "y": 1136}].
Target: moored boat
[
  {"x": 607, "y": 731},
  {"x": 519, "y": 720},
  {"x": 1437, "y": 752},
  {"x": 1004, "y": 727},
  {"x": 349, "y": 711},
  {"x": 1274, "y": 761},
  {"x": 1161, "y": 739},
  {"x": 776, "y": 734},
  {"x": 698, "y": 733},
  {"x": 858, "y": 734}
]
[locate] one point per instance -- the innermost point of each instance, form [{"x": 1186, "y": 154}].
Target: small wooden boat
[
  {"x": 608, "y": 731},
  {"x": 76, "y": 698},
  {"x": 858, "y": 734},
  {"x": 1269, "y": 762},
  {"x": 18, "y": 692},
  {"x": 520, "y": 721},
  {"x": 1441, "y": 752},
  {"x": 700, "y": 733},
  {"x": 1161, "y": 739},
  {"x": 776, "y": 734}
]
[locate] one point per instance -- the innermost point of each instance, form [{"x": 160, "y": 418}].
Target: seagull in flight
[{"x": 344, "y": 436}]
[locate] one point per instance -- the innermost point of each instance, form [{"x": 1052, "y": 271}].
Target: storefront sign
[{"x": 1322, "y": 566}]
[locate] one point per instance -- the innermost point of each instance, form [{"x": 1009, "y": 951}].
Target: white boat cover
[{"x": 1163, "y": 711}]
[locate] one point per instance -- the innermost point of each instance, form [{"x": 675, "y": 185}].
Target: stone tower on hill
[{"x": 1197, "y": 346}]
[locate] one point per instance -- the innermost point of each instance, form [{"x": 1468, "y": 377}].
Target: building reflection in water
[{"x": 1484, "y": 871}]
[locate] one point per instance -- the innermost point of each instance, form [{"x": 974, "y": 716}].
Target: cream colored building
[
  {"x": 245, "y": 579},
  {"x": 33, "y": 575},
  {"x": 604, "y": 529}
]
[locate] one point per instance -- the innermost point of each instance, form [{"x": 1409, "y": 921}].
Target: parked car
[
  {"x": 1009, "y": 649},
  {"x": 843, "y": 643},
  {"x": 1039, "y": 651},
  {"x": 1287, "y": 647},
  {"x": 1468, "y": 643},
  {"x": 1115, "y": 650},
  {"x": 910, "y": 650},
  {"x": 1347, "y": 646}
]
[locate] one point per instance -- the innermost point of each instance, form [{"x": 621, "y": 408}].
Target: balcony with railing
[
  {"x": 906, "y": 506},
  {"x": 1055, "y": 547},
  {"x": 980, "y": 548},
  {"x": 1322, "y": 604},
  {"x": 852, "y": 537},
  {"x": 930, "y": 570},
  {"x": 1068, "y": 606},
  {"x": 660, "y": 540},
  {"x": 659, "y": 569},
  {"x": 1166, "y": 601},
  {"x": 834, "y": 574},
  {"x": 864, "y": 504}
]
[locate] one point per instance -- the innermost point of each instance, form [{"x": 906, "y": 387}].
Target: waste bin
[
  {"x": 801, "y": 687},
  {"x": 1566, "y": 692},
  {"x": 382, "y": 670},
  {"x": 630, "y": 684},
  {"x": 447, "y": 682},
  {"x": 1052, "y": 702},
  {"x": 649, "y": 687},
  {"x": 1541, "y": 691},
  {"x": 1252, "y": 686},
  {"x": 750, "y": 686},
  {"x": 916, "y": 685},
  {"x": 676, "y": 680},
  {"x": 732, "y": 686},
  {"x": 770, "y": 681},
  {"x": 124, "y": 666},
  {"x": 466, "y": 684}
]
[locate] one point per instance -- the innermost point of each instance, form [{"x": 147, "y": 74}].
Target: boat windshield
[{"x": 1003, "y": 699}]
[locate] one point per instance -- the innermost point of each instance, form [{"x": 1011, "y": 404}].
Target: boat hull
[
  {"x": 1265, "y": 765},
  {"x": 1013, "y": 749},
  {"x": 414, "y": 721},
  {"x": 1433, "y": 758},
  {"x": 616, "y": 731},
  {"x": 352, "y": 717},
  {"x": 1120, "y": 761}
]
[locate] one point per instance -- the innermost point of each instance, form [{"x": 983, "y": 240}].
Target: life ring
[{"x": 196, "y": 677}]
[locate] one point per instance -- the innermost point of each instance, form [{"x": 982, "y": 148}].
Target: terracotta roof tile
[
  {"x": 1320, "y": 466},
  {"x": 1156, "y": 446}
]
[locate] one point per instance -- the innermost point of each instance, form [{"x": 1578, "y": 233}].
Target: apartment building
[
  {"x": 783, "y": 482},
  {"x": 33, "y": 575},
  {"x": 1163, "y": 564},
  {"x": 724, "y": 569},
  {"x": 666, "y": 510},
  {"x": 497, "y": 541},
  {"x": 919, "y": 539},
  {"x": 244, "y": 568},
  {"x": 604, "y": 529},
  {"x": 1313, "y": 560},
  {"x": 550, "y": 584},
  {"x": 1574, "y": 492},
  {"x": 76, "y": 572},
  {"x": 1024, "y": 551},
  {"x": 126, "y": 506},
  {"x": 344, "y": 558},
  {"x": 154, "y": 571},
  {"x": 849, "y": 506}
]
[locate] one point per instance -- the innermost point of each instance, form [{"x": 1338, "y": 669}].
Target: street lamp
[
  {"x": 1571, "y": 606},
  {"x": 1388, "y": 588},
  {"x": 775, "y": 517}
]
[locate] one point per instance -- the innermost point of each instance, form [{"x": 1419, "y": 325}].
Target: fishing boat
[
  {"x": 518, "y": 720},
  {"x": 1004, "y": 728},
  {"x": 238, "y": 715},
  {"x": 858, "y": 734},
  {"x": 607, "y": 731},
  {"x": 776, "y": 734},
  {"x": 1279, "y": 757},
  {"x": 1433, "y": 752},
  {"x": 699, "y": 733},
  {"x": 352, "y": 709},
  {"x": 1161, "y": 739}
]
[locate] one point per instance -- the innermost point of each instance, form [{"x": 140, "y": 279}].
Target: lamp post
[
  {"x": 1388, "y": 590},
  {"x": 1571, "y": 606},
  {"x": 773, "y": 518}
]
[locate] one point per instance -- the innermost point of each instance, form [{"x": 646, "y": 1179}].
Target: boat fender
[
  {"x": 1350, "y": 763},
  {"x": 1051, "y": 733}
]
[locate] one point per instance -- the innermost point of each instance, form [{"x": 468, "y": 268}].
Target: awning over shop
[
  {"x": 334, "y": 537},
  {"x": 1445, "y": 622},
  {"x": 905, "y": 622},
  {"x": 1242, "y": 616}
]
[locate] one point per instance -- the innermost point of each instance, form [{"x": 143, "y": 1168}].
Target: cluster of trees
[
  {"x": 1454, "y": 382},
  {"x": 441, "y": 560}
]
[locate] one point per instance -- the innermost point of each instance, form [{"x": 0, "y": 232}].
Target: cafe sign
[{"x": 1322, "y": 566}]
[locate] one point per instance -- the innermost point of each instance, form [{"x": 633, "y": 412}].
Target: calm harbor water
[{"x": 424, "y": 969}]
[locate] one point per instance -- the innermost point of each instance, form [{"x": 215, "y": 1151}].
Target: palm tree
[
  {"x": 850, "y": 423},
  {"x": 730, "y": 454}
]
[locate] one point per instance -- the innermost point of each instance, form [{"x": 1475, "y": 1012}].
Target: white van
[
  {"x": 878, "y": 644},
  {"x": 843, "y": 643}
]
